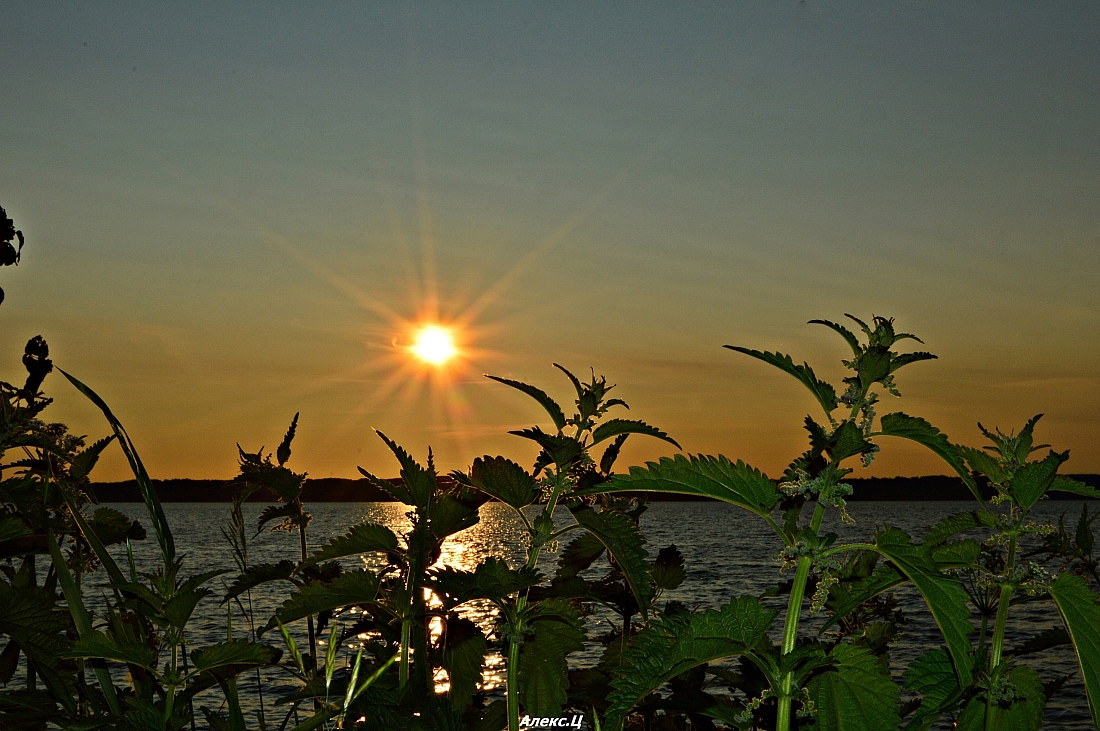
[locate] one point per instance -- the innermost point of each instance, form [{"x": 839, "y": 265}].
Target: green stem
[
  {"x": 512, "y": 671},
  {"x": 790, "y": 626},
  {"x": 997, "y": 647}
]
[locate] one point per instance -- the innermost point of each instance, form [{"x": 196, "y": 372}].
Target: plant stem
[
  {"x": 997, "y": 647},
  {"x": 790, "y": 627},
  {"x": 512, "y": 677}
]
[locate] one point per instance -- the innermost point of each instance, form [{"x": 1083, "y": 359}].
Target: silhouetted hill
[{"x": 342, "y": 490}]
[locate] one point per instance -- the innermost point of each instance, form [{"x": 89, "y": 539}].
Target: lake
[{"x": 727, "y": 552}]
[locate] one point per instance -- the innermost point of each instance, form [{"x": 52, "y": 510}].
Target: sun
[{"x": 434, "y": 345}]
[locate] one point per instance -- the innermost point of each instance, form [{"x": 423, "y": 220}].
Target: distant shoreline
[{"x": 345, "y": 490}]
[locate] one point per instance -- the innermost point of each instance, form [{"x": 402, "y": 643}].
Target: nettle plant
[
  {"x": 407, "y": 612},
  {"x": 1005, "y": 693},
  {"x": 838, "y": 678}
]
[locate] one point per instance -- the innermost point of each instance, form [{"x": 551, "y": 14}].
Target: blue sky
[{"x": 234, "y": 212}]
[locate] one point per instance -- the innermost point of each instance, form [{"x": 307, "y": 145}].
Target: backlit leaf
[
  {"x": 673, "y": 644},
  {"x": 622, "y": 539},
  {"x": 918, "y": 430},
  {"x": 616, "y": 427},
  {"x": 703, "y": 476},
  {"x": 348, "y": 589},
  {"x": 822, "y": 391},
  {"x": 858, "y": 695},
  {"x": 1077, "y": 605},
  {"x": 539, "y": 395}
]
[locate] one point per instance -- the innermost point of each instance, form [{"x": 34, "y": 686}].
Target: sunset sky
[{"x": 237, "y": 212}]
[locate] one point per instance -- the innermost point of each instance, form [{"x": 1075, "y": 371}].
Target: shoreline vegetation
[{"x": 931, "y": 488}]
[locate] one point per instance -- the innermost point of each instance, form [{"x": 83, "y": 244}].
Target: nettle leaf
[
  {"x": 822, "y": 391},
  {"x": 847, "y": 441},
  {"x": 543, "y": 678},
  {"x": 673, "y": 644},
  {"x": 349, "y": 589},
  {"x": 1033, "y": 479},
  {"x": 463, "y": 657},
  {"x": 945, "y": 598},
  {"x": 578, "y": 555},
  {"x": 97, "y": 644},
  {"x": 561, "y": 450},
  {"x": 112, "y": 527},
  {"x": 859, "y": 695},
  {"x": 873, "y": 365},
  {"x": 1081, "y": 617},
  {"x": 703, "y": 476},
  {"x": 904, "y": 359},
  {"x": 851, "y": 596},
  {"x": 1048, "y": 638},
  {"x": 920, "y": 431},
  {"x": 1062, "y": 483},
  {"x": 1023, "y": 714},
  {"x": 622, "y": 539},
  {"x": 233, "y": 652},
  {"x": 418, "y": 483},
  {"x": 260, "y": 574},
  {"x": 551, "y": 406},
  {"x": 983, "y": 463},
  {"x": 668, "y": 570},
  {"x": 449, "y": 515},
  {"x": 848, "y": 335},
  {"x": 617, "y": 427},
  {"x": 957, "y": 554},
  {"x": 952, "y": 525},
  {"x": 933, "y": 676},
  {"x": 504, "y": 480},
  {"x": 362, "y": 538},
  {"x": 271, "y": 512},
  {"x": 13, "y": 527},
  {"x": 81, "y": 464}
]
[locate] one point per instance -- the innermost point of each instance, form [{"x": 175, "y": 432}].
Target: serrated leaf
[
  {"x": 920, "y": 431},
  {"x": 1048, "y": 638},
  {"x": 551, "y": 406},
  {"x": 703, "y": 476},
  {"x": 83, "y": 462},
  {"x": 418, "y": 483},
  {"x": 97, "y": 644},
  {"x": 1023, "y": 714},
  {"x": 845, "y": 599},
  {"x": 543, "y": 678},
  {"x": 858, "y": 695},
  {"x": 361, "y": 538},
  {"x": 904, "y": 359},
  {"x": 1062, "y": 483},
  {"x": 348, "y": 589},
  {"x": 625, "y": 543},
  {"x": 1081, "y": 617},
  {"x": 233, "y": 652},
  {"x": 13, "y": 527},
  {"x": 950, "y": 526},
  {"x": 561, "y": 450},
  {"x": 983, "y": 463},
  {"x": 616, "y": 427},
  {"x": 112, "y": 527},
  {"x": 463, "y": 657},
  {"x": 578, "y": 555},
  {"x": 260, "y": 574},
  {"x": 847, "y": 441},
  {"x": 668, "y": 570},
  {"x": 271, "y": 512},
  {"x": 933, "y": 676},
  {"x": 945, "y": 598},
  {"x": 504, "y": 480},
  {"x": 848, "y": 335},
  {"x": 822, "y": 391},
  {"x": 1033, "y": 479},
  {"x": 957, "y": 554},
  {"x": 448, "y": 516},
  {"x": 673, "y": 644}
]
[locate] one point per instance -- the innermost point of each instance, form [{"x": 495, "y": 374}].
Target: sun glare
[{"x": 434, "y": 345}]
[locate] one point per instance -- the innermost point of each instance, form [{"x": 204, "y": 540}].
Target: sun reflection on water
[{"x": 499, "y": 533}]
